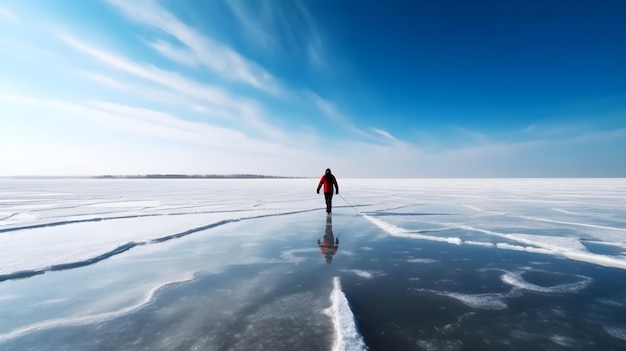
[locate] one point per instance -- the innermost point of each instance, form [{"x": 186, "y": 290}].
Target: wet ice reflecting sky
[{"x": 225, "y": 258}]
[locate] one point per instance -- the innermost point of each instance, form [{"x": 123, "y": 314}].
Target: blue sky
[{"x": 367, "y": 88}]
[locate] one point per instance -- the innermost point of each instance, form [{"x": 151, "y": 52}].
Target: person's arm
[
  {"x": 336, "y": 185},
  {"x": 319, "y": 185}
]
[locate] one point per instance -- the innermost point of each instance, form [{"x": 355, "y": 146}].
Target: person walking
[{"x": 329, "y": 181}]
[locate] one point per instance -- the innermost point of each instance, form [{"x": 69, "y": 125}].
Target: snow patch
[
  {"x": 347, "y": 337},
  {"x": 518, "y": 281}
]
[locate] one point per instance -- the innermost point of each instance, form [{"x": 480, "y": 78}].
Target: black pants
[{"x": 328, "y": 197}]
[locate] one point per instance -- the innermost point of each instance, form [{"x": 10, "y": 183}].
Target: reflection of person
[
  {"x": 330, "y": 245},
  {"x": 328, "y": 180}
]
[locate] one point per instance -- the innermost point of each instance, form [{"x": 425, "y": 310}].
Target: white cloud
[
  {"x": 9, "y": 15},
  {"x": 315, "y": 48},
  {"x": 257, "y": 23},
  {"x": 340, "y": 120},
  {"x": 178, "y": 55},
  {"x": 105, "y": 80},
  {"x": 247, "y": 113},
  {"x": 218, "y": 57},
  {"x": 329, "y": 109},
  {"x": 386, "y": 135},
  {"x": 530, "y": 128},
  {"x": 285, "y": 27},
  {"x": 473, "y": 137},
  {"x": 556, "y": 129},
  {"x": 156, "y": 95},
  {"x": 96, "y": 115},
  {"x": 155, "y": 141},
  {"x": 143, "y": 140},
  {"x": 156, "y": 75},
  {"x": 13, "y": 46},
  {"x": 522, "y": 158}
]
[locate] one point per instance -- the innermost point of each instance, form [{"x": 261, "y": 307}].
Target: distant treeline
[{"x": 193, "y": 176}]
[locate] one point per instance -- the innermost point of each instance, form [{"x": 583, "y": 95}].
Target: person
[
  {"x": 330, "y": 245},
  {"x": 329, "y": 181}
]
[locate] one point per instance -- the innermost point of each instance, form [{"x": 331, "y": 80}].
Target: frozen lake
[{"x": 421, "y": 264}]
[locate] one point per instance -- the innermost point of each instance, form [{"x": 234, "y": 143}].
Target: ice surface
[
  {"x": 43, "y": 215},
  {"x": 80, "y": 320},
  {"x": 79, "y": 253},
  {"x": 576, "y": 222}
]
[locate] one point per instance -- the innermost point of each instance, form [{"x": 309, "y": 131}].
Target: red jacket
[{"x": 328, "y": 183}]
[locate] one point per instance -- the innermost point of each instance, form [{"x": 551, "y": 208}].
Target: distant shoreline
[
  {"x": 160, "y": 176},
  {"x": 194, "y": 176}
]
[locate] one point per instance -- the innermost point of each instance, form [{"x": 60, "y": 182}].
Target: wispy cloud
[
  {"x": 386, "y": 135},
  {"x": 164, "y": 125},
  {"x": 556, "y": 129},
  {"x": 101, "y": 115},
  {"x": 9, "y": 15},
  {"x": 258, "y": 23},
  {"x": 591, "y": 136},
  {"x": 154, "y": 94},
  {"x": 314, "y": 45},
  {"x": 530, "y": 128},
  {"x": 179, "y": 55},
  {"x": 341, "y": 120},
  {"x": 218, "y": 57},
  {"x": 157, "y": 75},
  {"x": 329, "y": 110},
  {"x": 247, "y": 112},
  {"x": 285, "y": 27},
  {"x": 112, "y": 137},
  {"x": 248, "y": 136},
  {"x": 473, "y": 137}
]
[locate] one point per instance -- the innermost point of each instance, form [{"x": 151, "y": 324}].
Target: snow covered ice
[{"x": 422, "y": 264}]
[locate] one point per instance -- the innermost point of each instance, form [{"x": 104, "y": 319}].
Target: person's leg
[{"x": 329, "y": 201}]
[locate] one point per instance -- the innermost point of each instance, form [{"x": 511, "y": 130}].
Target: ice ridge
[{"x": 347, "y": 336}]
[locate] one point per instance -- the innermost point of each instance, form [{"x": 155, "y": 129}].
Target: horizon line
[{"x": 263, "y": 176}]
